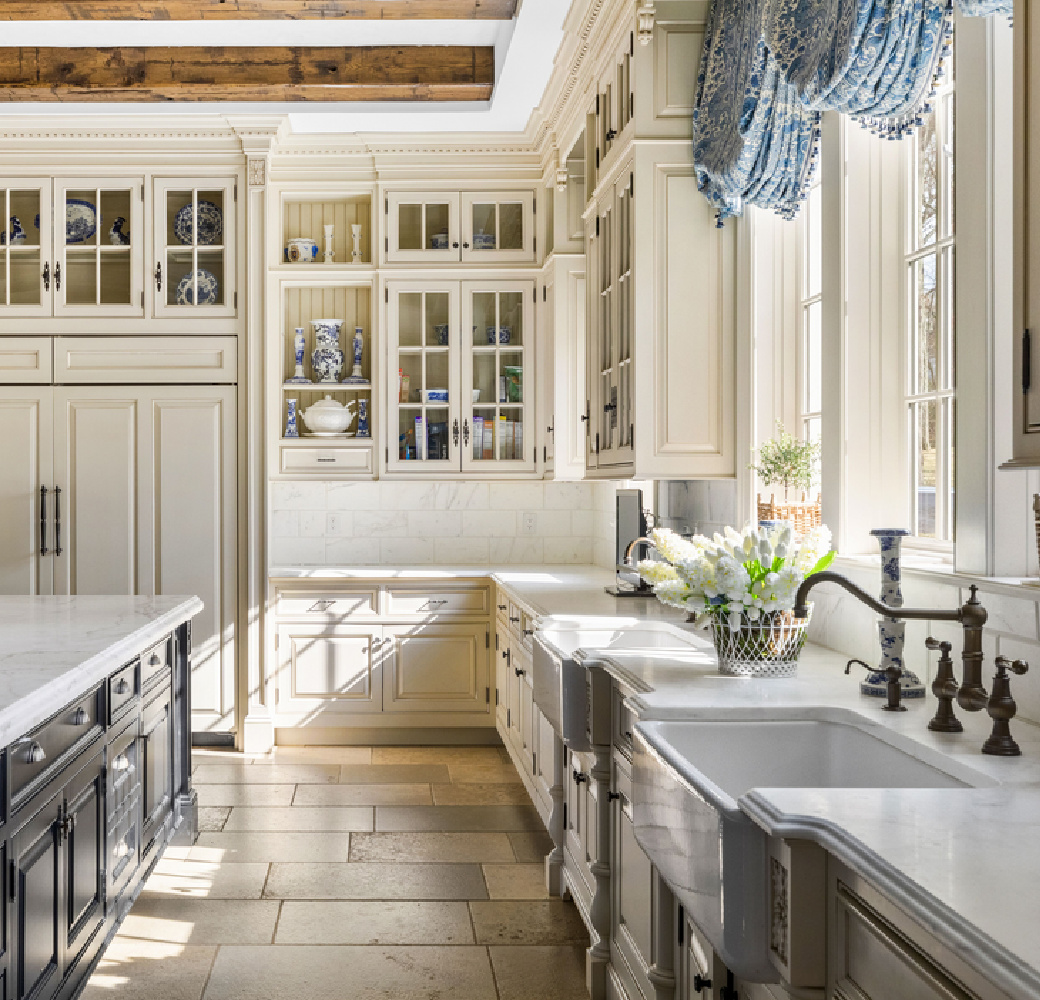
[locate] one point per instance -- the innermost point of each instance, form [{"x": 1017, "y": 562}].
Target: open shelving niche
[{"x": 305, "y": 215}]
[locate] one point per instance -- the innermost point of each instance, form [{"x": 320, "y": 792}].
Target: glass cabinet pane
[
  {"x": 98, "y": 247},
  {"x": 195, "y": 240},
  {"x": 20, "y": 257},
  {"x": 437, "y": 227},
  {"x": 498, "y": 225},
  {"x": 409, "y": 227}
]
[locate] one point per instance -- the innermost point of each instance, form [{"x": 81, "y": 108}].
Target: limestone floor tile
[
  {"x": 245, "y": 795},
  {"x": 266, "y": 845},
  {"x": 207, "y": 879},
  {"x": 201, "y": 921},
  {"x": 550, "y": 921},
  {"x": 348, "y": 972},
  {"x": 317, "y": 755},
  {"x": 213, "y": 818},
  {"x": 220, "y": 757},
  {"x": 473, "y": 756},
  {"x": 531, "y": 846},
  {"x": 516, "y": 881},
  {"x": 482, "y": 774},
  {"x": 362, "y": 795},
  {"x": 408, "y": 848},
  {"x": 548, "y": 973},
  {"x": 365, "y": 922},
  {"x": 144, "y": 970},
  {"x": 299, "y": 818},
  {"x": 386, "y": 774},
  {"x": 490, "y": 819},
  {"x": 270, "y": 774},
  {"x": 375, "y": 881},
  {"x": 480, "y": 795}
]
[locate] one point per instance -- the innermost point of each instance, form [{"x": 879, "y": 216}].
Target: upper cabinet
[
  {"x": 446, "y": 227},
  {"x": 194, "y": 247}
]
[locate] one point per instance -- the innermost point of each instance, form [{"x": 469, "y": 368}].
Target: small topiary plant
[{"x": 788, "y": 462}]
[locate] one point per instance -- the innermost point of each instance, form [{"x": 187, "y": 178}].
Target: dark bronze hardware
[
  {"x": 465, "y": 431},
  {"x": 465, "y": 246},
  {"x": 1027, "y": 362},
  {"x": 455, "y": 432},
  {"x": 528, "y": 631},
  {"x": 700, "y": 983},
  {"x": 944, "y": 687},
  {"x": 515, "y": 621},
  {"x": 47, "y": 276},
  {"x": 57, "y": 276},
  {"x": 501, "y": 607},
  {"x": 455, "y": 246},
  {"x": 892, "y": 676},
  {"x": 729, "y": 991},
  {"x": 613, "y": 796},
  {"x": 57, "y": 521},
  {"x": 611, "y": 135},
  {"x": 43, "y": 520},
  {"x": 507, "y": 655},
  {"x": 519, "y": 671},
  {"x": 158, "y": 276},
  {"x": 580, "y": 777},
  {"x": 609, "y": 407},
  {"x": 1002, "y": 708},
  {"x": 627, "y": 734}
]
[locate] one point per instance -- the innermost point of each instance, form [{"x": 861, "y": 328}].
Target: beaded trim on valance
[{"x": 770, "y": 68}]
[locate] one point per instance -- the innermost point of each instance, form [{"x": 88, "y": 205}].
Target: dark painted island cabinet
[{"x": 91, "y": 798}]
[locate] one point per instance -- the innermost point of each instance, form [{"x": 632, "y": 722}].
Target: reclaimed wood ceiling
[{"x": 406, "y": 72}]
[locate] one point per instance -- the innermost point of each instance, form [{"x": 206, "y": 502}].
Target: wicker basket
[
  {"x": 767, "y": 647},
  {"x": 804, "y": 514}
]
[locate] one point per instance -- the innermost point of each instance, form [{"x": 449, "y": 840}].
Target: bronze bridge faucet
[{"x": 971, "y": 695}]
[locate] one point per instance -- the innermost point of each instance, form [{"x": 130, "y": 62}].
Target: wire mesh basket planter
[
  {"x": 803, "y": 514},
  {"x": 767, "y": 647}
]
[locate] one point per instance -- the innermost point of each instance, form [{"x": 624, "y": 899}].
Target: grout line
[
  {"x": 472, "y": 921},
  {"x": 209, "y": 972},
  {"x": 267, "y": 878},
  {"x": 277, "y": 921},
  {"x": 491, "y": 965}
]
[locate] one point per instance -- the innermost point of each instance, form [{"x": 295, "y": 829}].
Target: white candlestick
[{"x": 330, "y": 254}]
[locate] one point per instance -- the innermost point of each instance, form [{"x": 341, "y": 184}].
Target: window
[
  {"x": 929, "y": 269},
  {"x": 811, "y": 315}
]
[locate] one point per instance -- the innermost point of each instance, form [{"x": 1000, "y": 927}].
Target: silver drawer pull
[
  {"x": 122, "y": 686},
  {"x": 35, "y": 754},
  {"x": 435, "y": 603},
  {"x": 121, "y": 763},
  {"x": 80, "y": 717},
  {"x": 320, "y": 607},
  {"x": 154, "y": 660},
  {"x": 122, "y": 849}
]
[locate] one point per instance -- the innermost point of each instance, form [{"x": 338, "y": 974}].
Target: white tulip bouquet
[{"x": 745, "y": 583}]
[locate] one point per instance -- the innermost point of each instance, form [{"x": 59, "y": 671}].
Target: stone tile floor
[{"x": 343, "y": 873}]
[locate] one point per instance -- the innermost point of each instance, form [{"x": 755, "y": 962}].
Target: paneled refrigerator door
[
  {"x": 26, "y": 262},
  {"x": 99, "y": 258},
  {"x": 423, "y": 377},
  {"x": 193, "y": 253},
  {"x": 498, "y": 433}
]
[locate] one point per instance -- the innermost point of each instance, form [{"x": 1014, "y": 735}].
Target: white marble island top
[{"x": 52, "y": 649}]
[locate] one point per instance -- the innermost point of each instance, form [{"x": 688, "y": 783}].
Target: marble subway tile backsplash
[{"x": 429, "y": 523}]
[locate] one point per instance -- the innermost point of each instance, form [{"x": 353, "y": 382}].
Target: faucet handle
[
  {"x": 943, "y": 647},
  {"x": 1002, "y": 709},
  {"x": 1003, "y": 664}
]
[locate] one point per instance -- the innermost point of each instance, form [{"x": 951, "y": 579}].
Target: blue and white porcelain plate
[
  {"x": 208, "y": 287},
  {"x": 80, "y": 220},
  {"x": 210, "y": 226}
]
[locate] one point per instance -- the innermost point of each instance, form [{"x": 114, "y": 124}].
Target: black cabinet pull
[
  {"x": 700, "y": 983},
  {"x": 47, "y": 276},
  {"x": 57, "y": 521},
  {"x": 580, "y": 777},
  {"x": 455, "y": 246},
  {"x": 613, "y": 796},
  {"x": 43, "y": 520},
  {"x": 455, "y": 433},
  {"x": 465, "y": 246},
  {"x": 519, "y": 671},
  {"x": 515, "y": 621},
  {"x": 158, "y": 276},
  {"x": 57, "y": 276},
  {"x": 465, "y": 431}
]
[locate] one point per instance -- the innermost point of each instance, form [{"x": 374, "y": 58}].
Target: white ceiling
[{"x": 524, "y": 53}]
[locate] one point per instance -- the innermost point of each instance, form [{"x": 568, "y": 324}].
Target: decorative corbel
[
  {"x": 561, "y": 179},
  {"x": 646, "y": 14}
]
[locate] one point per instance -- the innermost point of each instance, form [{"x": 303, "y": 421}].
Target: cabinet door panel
[
  {"x": 26, "y": 263},
  {"x": 156, "y": 745},
  {"x": 437, "y": 668},
  {"x": 35, "y": 851},
  {"x": 497, "y": 226},
  {"x": 84, "y": 878},
  {"x": 26, "y": 457},
  {"x": 422, "y": 227}
]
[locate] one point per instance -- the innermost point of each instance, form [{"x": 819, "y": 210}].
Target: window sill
[{"x": 919, "y": 566}]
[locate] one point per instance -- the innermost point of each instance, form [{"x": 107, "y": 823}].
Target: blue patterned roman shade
[{"x": 770, "y": 68}]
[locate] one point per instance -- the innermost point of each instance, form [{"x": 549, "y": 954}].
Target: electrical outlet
[{"x": 528, "y": 525}]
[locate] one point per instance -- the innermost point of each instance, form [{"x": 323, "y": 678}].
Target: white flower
[
  {"x": 673, "y": 547},
  {"x": 732, "y": 578},
  {"x": 673, "y": 593},
  {"x": 765, "y": 552},
  {"x": 736, "y": 621},
  {"x": 653, "y": 571}
]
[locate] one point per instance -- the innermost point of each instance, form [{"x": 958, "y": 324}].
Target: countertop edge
[
  {"x": 992, "y": 961},
  {"x": 29, "y": 711}
]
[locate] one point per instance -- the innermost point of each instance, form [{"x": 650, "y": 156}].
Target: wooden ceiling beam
[
  {"x": 271, "y": 10},
  {"x": 370, "y": 73}
]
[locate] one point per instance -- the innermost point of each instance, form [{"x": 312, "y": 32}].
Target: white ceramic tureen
[{"x": 328, "y": 416}]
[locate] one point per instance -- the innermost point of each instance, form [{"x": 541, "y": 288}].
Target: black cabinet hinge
[
  {"x": 544, "y": 298},
  {"x": 386, "y": 206},
  {"x": 597, "y": 225},
  {"x": 534, "y": 295},
  {"x": 682, "y": 922},
  {"x": 565, "y": 815},
  {"x": 632, "y": 185},
  {"x": 632, "y": 104},
  {"x": 386, "y": 244},
  {"x": 631, "y": 43},
  {"x": 496, "y": 697},
  {"x": 597, "y": 104},
  {"x": 597, "y": 157},
  {"x": 487, "y": 695},
  {"x": 386, "y": 294},
  {"x": 12, "y": 880},
  {"x": 534, "y": 206},
  {"x": 534, "y": 762},
  {"x": 509, "y": 717},
  {"x": 487, "y": 639},
  {"x": 536, "y": 246},
  {"x": 1027, "y": 362},
  {"x": 236, "y": 300}
]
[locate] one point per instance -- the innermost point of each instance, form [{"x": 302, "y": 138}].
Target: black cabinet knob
[{"x": 700, "y": 983}]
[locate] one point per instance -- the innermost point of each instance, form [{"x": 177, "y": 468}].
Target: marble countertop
[{"x": 52, "y": 649}]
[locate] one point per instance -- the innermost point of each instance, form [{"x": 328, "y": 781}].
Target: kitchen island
[{"x": 94, "y": 729}]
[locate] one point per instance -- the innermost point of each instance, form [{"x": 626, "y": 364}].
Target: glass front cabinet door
[
  {"x": 422, "y": 226},
  {"x": 99, "y": 258},
  {"x": 194, "y": 251},
  {"x": 26, "y": 264},
  {"x": 497, "y": 226}
]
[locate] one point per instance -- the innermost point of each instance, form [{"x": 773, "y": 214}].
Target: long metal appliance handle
[
  {"x": 57, "y": 521},
  {"x": 43, "y": 520}
]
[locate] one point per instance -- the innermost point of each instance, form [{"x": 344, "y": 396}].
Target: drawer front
[
  {"x": 323, "y": 606},
  {"x": 527, "y": 623},
  {"x": 25, "y": 361},
  {"x": 42, "y": 751},
  {"x": 122, "y": 690},
  {"x": 355, "y": 460},
  {"x": 156, "y": 661},
  {"x": 124, "y": 774},
  {"x": 151, "y": 360},
  {"x": 502, "y": 608},
  {"x": 406, "y": 602},
  {"x": 515, "y": 618}
]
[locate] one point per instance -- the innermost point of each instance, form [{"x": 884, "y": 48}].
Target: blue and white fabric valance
[{"x": 770, "y": 68}]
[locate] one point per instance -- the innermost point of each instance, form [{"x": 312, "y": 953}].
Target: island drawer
[
  {"x": 156, "y": 660},
  {"x": 122, "y": 689},
  {"x": 45, "y": 747},
  {"x": 409, "y": 602}
]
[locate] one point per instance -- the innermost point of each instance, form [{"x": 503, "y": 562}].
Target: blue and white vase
[
  {"x": 891, "y": 631},
  {"x": 291, "y": 428},
  {"x": 355, "y": 377},
  {"x": 327, "y": 357},
  {"x": 299, "y": 346},
  {"x": 362, "y": 420}
]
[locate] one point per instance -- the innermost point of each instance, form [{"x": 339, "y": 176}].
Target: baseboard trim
[
  {"x": 384, "y": 736},
  {"x": 213, "y": 740}
]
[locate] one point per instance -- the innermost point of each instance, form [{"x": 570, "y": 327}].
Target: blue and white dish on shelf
[
  {"x": 208, "y": 287},
  {"x": 484, "y": 241},
  {"x": 440, "y": 334},
  {"x": 210, "y": 224},
  {"x": 439, "y": 241},
  {"x": 80, "y": 220},
  {"x": 435, "y": 396}
]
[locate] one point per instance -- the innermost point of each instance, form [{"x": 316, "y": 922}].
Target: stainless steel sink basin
[
  {"x": 559, "y": 678},
  {"x": 688, "y": 775}
]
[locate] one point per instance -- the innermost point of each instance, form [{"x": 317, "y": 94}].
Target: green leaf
[{"x": 823, "y": 563}]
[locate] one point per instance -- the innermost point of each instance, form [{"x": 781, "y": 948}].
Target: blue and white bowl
[
  {"x": 439, "y": 241},
  {"x": 435, "y": 396},
  {"x": 484, "y": 241},
  {"x": 80, "y": 220},
  {"x": 208, "y": 287},
  {"x": 210, "y": 225}
]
